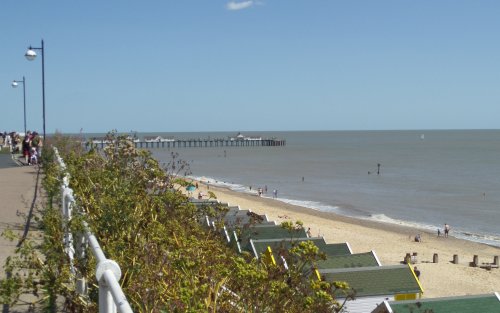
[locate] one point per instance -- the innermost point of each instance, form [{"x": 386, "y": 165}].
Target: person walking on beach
[
  {"x": 275, "y": 193},
  {"x": 446, "y": 230},
  {"x": 417, "y": 272}
]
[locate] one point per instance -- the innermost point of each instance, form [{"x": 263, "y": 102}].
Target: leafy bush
[{"x": 169, "y": 261}]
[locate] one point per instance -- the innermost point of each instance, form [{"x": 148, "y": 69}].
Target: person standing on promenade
[
  {"x": 8, "y": 142},
  {"x": 15, "y": 142},
  {"x": 37, "y": 142},
  {"x": 27, "y": 148},
  {"x": 446, "y": 230}
]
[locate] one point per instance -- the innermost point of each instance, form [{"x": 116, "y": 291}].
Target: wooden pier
[{"x": 197, "y": 143}]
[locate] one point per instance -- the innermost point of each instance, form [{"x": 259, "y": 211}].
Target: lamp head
[
  {"x": 14, "y": 84},
  {"x": 30, "y": 54}
]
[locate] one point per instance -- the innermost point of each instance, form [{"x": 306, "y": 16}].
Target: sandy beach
[{"x": 390, "y": 242}]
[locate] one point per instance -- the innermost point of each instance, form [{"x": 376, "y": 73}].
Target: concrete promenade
[{"x": 17, "y": 189}]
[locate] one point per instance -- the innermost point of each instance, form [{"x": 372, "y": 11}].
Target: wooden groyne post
[{"x": 435, "y": 258}]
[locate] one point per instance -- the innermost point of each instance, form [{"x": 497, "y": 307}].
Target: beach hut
[
  {"x": 208, "y": 205},
  {"x": 366, "y": 259},
  {"x": 274, "y": 247},
  {"x": 241, "y": 218},
  {"x": 374, "y": 285},
  {"x": 244, "y": 235},
  {"x": 209, "y": 202},
  {"x": 234, "y": 218},
  {"x": 487, "y": 303}
]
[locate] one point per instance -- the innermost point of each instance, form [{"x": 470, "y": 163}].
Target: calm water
[{"x": 427, "y": 178}]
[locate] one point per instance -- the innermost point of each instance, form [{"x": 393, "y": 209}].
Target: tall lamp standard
[
  {"x": 31, "y": 55},
  {"x": 14, "y": 85}
]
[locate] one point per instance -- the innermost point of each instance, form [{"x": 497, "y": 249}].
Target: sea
[{"x": 417, "y": 178}]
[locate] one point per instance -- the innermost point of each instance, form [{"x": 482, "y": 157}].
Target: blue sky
[{"x": 252, "y": 65}]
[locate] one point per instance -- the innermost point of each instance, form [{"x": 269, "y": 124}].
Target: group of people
[
  {"x": 10, "y": 140},
  {"x": 261, "y": 191},
  {"x": 31, "y": 148},
  {"x": 30, "y": 145},
  {"x": 418, "y": 237}
]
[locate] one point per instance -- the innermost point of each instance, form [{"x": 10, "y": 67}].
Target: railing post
[
  {"x": 106, "y": 303},
  {"x": 81, "y": 247},
  {"x": 120, "y": 300},
  {"x": 106, "y": 272}
]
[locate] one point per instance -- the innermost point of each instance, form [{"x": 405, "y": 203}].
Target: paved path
[
  {"x": 7, "y": 161},
  {"x": 17, "y": 188}
]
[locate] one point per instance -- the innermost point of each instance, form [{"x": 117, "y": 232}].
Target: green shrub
[{"x": 169, "y": 261}]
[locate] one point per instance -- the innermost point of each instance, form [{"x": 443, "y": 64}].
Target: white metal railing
[{"x": 108, "y": 273}]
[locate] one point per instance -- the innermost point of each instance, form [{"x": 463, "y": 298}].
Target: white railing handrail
[{"x": 108, "y": 273}]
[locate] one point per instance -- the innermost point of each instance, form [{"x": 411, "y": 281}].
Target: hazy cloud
[{"x": 233, "y": 6}]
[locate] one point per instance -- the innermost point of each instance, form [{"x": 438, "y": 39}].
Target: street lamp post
[
  {"x": 31, "y": 55},
  {"x": 14, "y": 85}
]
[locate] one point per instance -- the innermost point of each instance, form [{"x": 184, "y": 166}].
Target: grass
[{"x": 5, "y": 150}]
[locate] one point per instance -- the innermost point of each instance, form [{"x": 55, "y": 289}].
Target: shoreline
[
  {"x": 351, "y": 213},
  {"x": 390, "y": 242},
  {"x": 376, "y": 224}
]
